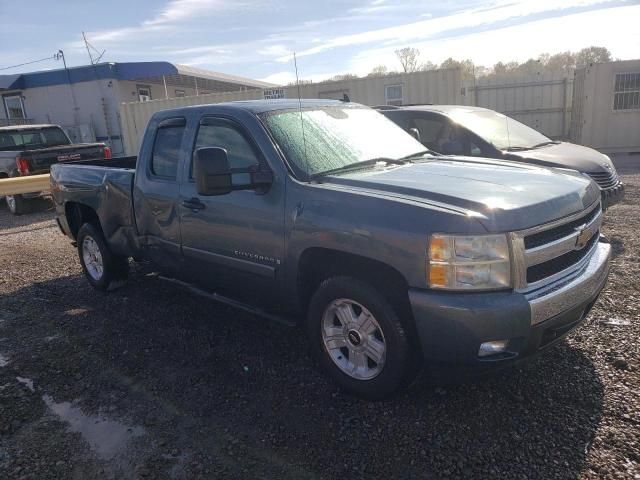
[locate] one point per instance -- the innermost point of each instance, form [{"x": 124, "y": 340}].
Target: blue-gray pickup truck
[{"x": 328, "y": 215}]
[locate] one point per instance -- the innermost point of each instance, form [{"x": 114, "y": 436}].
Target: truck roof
[
  {"x": 262, "y": 106},
  {"x": 27, "y": 127}
]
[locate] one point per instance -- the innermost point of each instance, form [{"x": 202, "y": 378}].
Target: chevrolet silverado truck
[
  {"x": 480, "y": 132},
  {"x": 327, "y": 215},
  {"x": 32, "y": 149}
]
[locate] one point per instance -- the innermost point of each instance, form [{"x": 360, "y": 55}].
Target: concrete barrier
[{"x": 28, "y": 184}]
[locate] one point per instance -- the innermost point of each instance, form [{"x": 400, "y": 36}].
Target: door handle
[{"x": 193, "y": 204}]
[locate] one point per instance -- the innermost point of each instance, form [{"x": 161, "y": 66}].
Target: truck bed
[{"x": 105, "y": 186}]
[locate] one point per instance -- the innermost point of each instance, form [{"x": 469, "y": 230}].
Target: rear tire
[
  {"x": 358, "y": 339},
  {"x": 103, "y": 269},
  {"x": 18, "y": 205}
]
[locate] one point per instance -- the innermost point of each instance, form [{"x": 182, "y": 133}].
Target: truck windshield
[
  {"x": 502, "y": 131},
  {"x": 337, "y": 136},
  {"x": 32, "y": 138}
]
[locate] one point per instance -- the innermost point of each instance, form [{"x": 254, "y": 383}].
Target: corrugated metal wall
[
  {"x": 541, "y": 101},
  {"x": 598, "y": 123},
  {"x": 436, "y": 86},
  {"x": 134, "y": 116}
]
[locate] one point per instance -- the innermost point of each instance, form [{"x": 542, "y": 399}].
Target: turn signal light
[{"x": 107, "y": 153}]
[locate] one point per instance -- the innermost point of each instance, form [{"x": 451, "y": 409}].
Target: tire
[
  {"x": 103, "y": 269},
  {"x": 18, "y": 205},
  {"x": 349, "y": 319}
]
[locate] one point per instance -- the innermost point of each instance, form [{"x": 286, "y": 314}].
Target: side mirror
[
  {"x": 452, "y": 147},
  {"x": 415, "y": 133},
  {"x": 211, "y": 171}
]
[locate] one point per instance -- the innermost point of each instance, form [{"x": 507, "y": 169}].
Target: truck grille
[
  {"x": 553, "y": 234},
  {"x": 556, "y": 265},
  {"x": 605, "y": 179},
  {"x": 549, "y": 252}
]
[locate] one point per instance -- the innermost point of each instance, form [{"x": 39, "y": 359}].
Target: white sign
[{"x": 274, "y": 93}]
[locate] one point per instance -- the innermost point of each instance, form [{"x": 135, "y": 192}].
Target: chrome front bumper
[{"x": 580, "y": 286}]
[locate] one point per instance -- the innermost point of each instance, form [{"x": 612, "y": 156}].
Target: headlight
[{"x": 477, "y": 262}]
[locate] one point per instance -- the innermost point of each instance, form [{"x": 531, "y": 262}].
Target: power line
[{"x": 28, "y": 63}]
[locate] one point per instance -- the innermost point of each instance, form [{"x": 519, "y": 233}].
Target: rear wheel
[
  {"x": 102, "y": 268},
  {"x": 358, "y": 339},
  {"x": 17, "y": 204}
]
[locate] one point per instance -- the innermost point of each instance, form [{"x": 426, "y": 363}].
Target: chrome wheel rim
[
  {"x": 353, "y": 339},
  {"x": 11, "y": 202},
  {"x": 92, "y": 258}
]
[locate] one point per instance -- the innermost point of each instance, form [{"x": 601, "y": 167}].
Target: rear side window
[
  {"x": 429, "y": 128},
  {"x": 166, "y": 151}
]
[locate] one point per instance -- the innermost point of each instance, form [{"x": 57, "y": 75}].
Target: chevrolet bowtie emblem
[{"x": 583, "y": 237}]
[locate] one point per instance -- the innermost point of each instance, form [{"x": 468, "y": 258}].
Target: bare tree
[
  {"x": 426, "y": 66},
  {"x": 344, "y": 76},
  {"x": 592, "y": 55},
  {"x": 467, "y": 68},
  {"x": 378, "y": 71},
  {"x": 408, "y": 58}
]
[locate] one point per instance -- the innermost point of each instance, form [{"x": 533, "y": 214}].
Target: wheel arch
[
  {"x": 317, "y": 264},
  {"x": 77, "y": 214}
]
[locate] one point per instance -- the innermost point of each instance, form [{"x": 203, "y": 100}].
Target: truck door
[
  {"x": 233, "y": 243},
  {"x": 156, "y": 194}
]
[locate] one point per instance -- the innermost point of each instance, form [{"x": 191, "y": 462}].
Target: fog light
[{"x": 491, "y": 348}]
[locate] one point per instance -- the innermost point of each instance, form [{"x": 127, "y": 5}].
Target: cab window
[
  {"x": 224, "y": 134},
  {"x": 166, "y": 151}
]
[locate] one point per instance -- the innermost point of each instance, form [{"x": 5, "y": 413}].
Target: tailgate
[{"x": 41, "y": 160}]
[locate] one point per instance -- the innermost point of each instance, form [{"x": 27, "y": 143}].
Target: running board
[{"x": 230, "y": 301}]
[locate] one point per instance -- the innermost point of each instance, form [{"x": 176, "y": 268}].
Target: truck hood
[
  {"x": 565, "y": 155},
  {"x": 503, "y": 196}
]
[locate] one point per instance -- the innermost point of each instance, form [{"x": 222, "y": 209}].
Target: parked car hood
[
  {"x": 503, "y": 196},
  {"x": 566, "y": 155}
]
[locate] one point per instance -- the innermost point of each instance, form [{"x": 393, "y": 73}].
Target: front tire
[
  {"x": 17, "y": 204},
  {"x": 358, "y": 339},
  {"x": 102, "y": 268}
]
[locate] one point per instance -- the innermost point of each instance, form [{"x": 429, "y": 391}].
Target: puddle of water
[
  {"x": 4, "y": 361},
  {"x": 106, "y": 437},
  {"x": 26, "y": 381}
]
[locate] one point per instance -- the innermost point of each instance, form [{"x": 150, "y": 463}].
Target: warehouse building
[{"x": 85, "y": 100}]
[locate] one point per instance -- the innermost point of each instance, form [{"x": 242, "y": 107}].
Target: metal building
[
  {"x": 606, "y": 106},
  {"x": 434, "y": 86},
  {"x": 84, "y": 100}
]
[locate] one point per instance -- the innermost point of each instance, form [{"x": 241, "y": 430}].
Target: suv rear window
[{"x": 33, "y": 139}]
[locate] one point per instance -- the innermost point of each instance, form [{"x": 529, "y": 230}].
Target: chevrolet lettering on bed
[{"x": 327, "y": 215}]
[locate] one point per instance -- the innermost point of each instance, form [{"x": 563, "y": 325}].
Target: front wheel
[
  {"x": 358, "y": 339},
  {"x": 102, "y": 268},
  {"x": 17, "y": 204}
]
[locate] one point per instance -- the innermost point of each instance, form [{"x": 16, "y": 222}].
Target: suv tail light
[
  {"x": 23, "y": 165},
  {"x": 107, "y": 153}
]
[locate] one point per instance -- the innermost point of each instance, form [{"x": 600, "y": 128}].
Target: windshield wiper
[
  {"x": 358, "y": 166},
  {"x": 519, "y": 148},
  {"x": 550, "y": 142}
]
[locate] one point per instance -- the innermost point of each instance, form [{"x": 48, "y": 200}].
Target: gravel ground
[{"x": 151, "y": 382}]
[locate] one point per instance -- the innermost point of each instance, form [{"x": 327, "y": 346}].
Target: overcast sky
[{"x": 255, "y": 38}]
